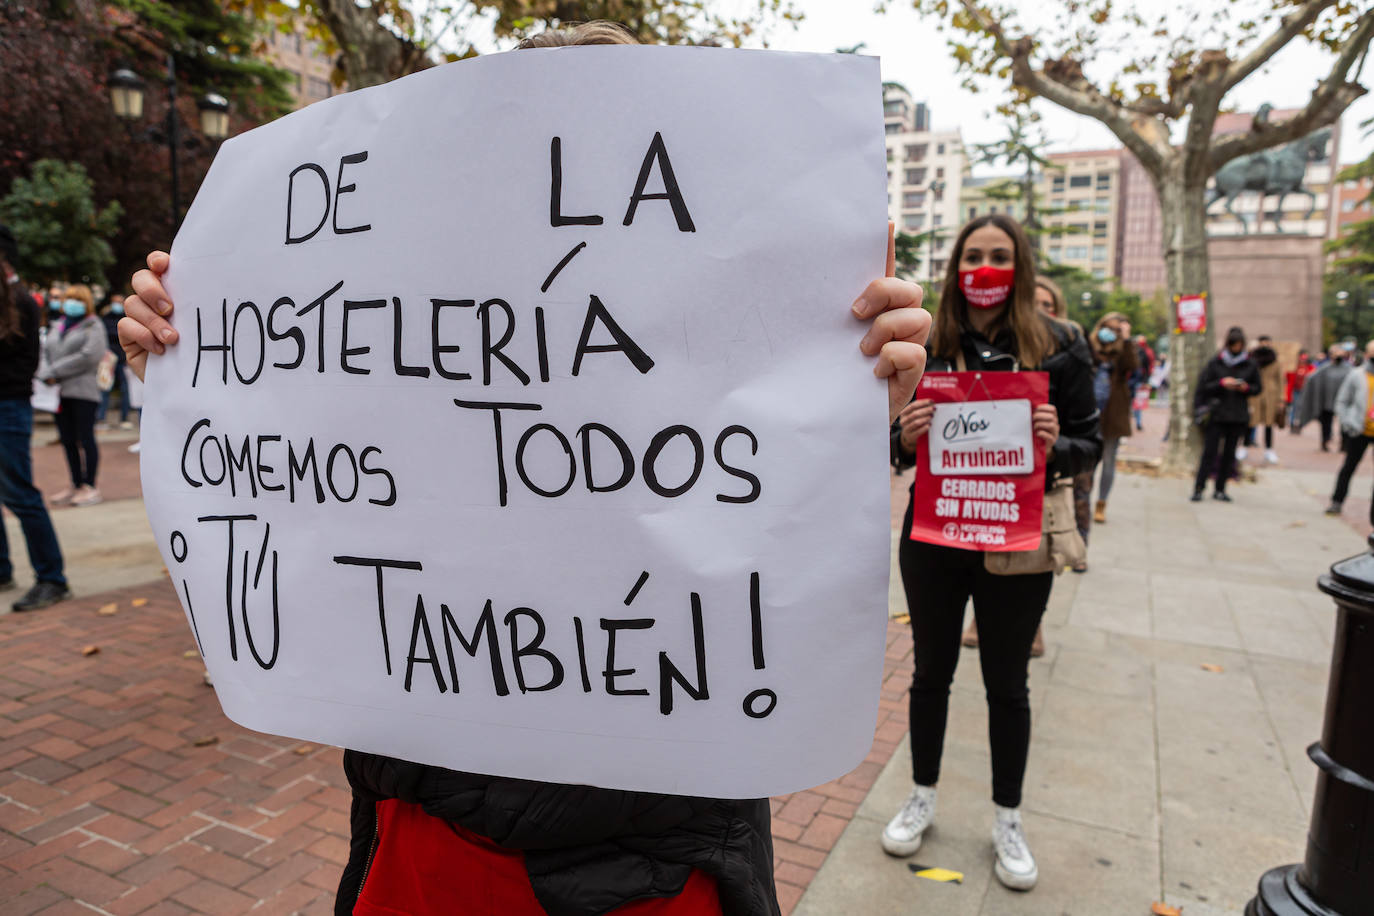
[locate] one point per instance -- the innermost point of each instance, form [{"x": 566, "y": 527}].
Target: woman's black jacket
[
  {"x": 1070, "y": 368},
  {"x": 1227, "y": 405},
  {"x": 587, "y": 850}
]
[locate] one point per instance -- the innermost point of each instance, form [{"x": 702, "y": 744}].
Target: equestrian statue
[{"x": 1277, "y": 171}]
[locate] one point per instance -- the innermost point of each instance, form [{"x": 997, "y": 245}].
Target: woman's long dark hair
[{"x": 1034, "y": 342}]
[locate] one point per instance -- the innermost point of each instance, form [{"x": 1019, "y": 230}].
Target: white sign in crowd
[{"x": 519, "y": 426}]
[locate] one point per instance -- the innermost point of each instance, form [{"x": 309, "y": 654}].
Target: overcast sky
[{"x": 915, "y": 54}]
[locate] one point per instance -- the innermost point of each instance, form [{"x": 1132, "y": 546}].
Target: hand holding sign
[{"x": 1045, "y": 424}]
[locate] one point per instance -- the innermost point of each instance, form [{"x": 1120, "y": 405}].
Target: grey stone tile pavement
[{"x": 1151, "y": 778}]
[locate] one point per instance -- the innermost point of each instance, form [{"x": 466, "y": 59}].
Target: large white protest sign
[{"x": 518, "y": 423}]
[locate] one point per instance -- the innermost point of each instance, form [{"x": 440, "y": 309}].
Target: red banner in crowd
[{"x": 980, "y": 474}]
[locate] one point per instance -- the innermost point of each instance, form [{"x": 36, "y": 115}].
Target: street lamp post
[{"x": 126, "y": 96}]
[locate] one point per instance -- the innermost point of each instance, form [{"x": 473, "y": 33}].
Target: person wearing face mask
[
  {"x": 1355, "y": 410},
  {"x": 110, "y": 317},
  {"x": 72, "y": 354},
  {"x": 1266, "y": 408},
  {"x": 1114, "y": 366},
  {"x": 1221, "y": 403},
  {"x": 987, "y": 321}
]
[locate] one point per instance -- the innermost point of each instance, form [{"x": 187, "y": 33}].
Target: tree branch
[
  {"x": 1291, "y": 27},
  {"x": 1082, "y": 98},
  {"x": 1330, "y": 100}
]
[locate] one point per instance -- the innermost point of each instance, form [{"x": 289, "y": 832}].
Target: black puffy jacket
[
  {"x": 587, "y": 850},
  {"x": 1070, "y": 368},
  {"x": 1227, "y": 405}
]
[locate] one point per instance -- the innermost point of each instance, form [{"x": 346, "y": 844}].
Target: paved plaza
[{"x": 1184, "y": 678}]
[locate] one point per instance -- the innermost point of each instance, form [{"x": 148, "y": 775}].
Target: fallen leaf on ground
[
  {"x": 206, "y": 741},
  {"x": 303, "y": 750},
  {"x": 902, "y": 618},
  {"x": 107, "y": 609},
  {"x": 189, "y": 653},
  {"x": 1296, "y": 525},
  {"x": 1163, "y": 909},
  {"x": 1215, "y": 669},
  {"x": 90, "y": 650},
  {"x": 139, "y": 602}
]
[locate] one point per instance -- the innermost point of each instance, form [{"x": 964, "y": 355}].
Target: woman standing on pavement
[
  {"x": 988, "y": 321},
  {"x": 72, "y": 356},
  {"x": 1221, "y": 404},
  {"x": 20, "y": 320},
  {"x": 1114, "y": 366}
]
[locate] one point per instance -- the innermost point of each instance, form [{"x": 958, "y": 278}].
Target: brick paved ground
[
  {"x": 112, "y": 799},
  {"x": 116, "y": 475}
]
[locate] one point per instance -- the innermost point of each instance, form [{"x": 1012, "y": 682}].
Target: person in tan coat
[{"x": 1266, "y": 408}]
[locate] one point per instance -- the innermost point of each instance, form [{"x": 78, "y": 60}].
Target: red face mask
[{"x": 987, "y": 287}]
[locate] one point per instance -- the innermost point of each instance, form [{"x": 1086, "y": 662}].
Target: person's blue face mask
[
  {"x": 1106, "y": 335},
  {"x": 117, "y": 309},
  {"x": 73, "y": 308}
]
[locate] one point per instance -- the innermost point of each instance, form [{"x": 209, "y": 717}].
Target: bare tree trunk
[
  {"x": 372, "y": 53},
  {"x": 1183, "y": 202}
]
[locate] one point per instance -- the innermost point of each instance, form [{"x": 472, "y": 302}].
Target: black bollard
[{"x": 1337, "y": 878}]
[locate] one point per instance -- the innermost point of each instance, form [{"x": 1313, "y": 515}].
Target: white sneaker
[
  {"x": 135, "y": 447},
  {"x": 1271, "y": 457},
  {"x": 902, "y": 835},
  {"x": 1241, "y": 452},
  {"x": 1015, "y": 865}
]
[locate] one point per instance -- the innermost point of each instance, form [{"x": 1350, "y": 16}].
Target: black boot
[{"x": 42, "y": 595}]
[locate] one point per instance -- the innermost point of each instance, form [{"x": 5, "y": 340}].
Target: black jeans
[
  {"x": 939, "y": 582},
  {"x": 1325, "y": 418},
  {"x": 76, "y": 426},
  {"x": 1354, "y": 447},
  {"x": 1226, "y": 436}
]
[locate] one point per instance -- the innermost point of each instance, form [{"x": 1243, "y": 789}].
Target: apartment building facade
[
  {"x": 309, "y": 66},
  {"x": 925, "y": 175},
  {"x": 1081, "y": 197}
]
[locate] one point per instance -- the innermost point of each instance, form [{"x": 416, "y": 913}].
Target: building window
[
  {"x": 298, "y": 42},
  {"x": 992, "y": 209},
  {"x": 1099, "y": 252},
  {"x": 972, "y": 212},
  {"x": 937, "y": 267},
  {"x": 1058, "y": 184},
  {"x": 939, "y": 173},
  {"x": 939, "y": 149},
  {"x": 1104, "y": 181},
  {"x": 1076, "y": 204},
  {"x": 913, "y": 199},
  {"x": 1078, "y": 228},
  {"x": 939, "y": 244},
  {"x": 1099, "y": 273},
  {"x": 892, "y": 128},
  {"x": 1348, "y": 205},
  {"x": 319, "y": 88},
  {"x": 1081, "y": 181},
  {"x": 1055, "y": 252},
  {"x": 913, "y": 223},
  {"x": 1075, "y": 252},
  {"x": 1102, "y": 205},
  {"x": 1099, "y": 230},
  {"x": 917, "y": 152},
  {"x": 915, "y": 176},
  {"x": 937, "y": 220}
]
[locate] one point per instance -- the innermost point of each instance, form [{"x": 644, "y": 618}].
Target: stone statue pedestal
[{"x": 1268, "y": 284}]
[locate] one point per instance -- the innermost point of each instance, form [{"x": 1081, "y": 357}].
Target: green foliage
[
  {"x": 1348, "y": 317},
  {"x": 1354, "y": 249},
  {"x": 908, "y": 248},
  {"x": 61, "y": 234},
  {"x": 213, "y": 48}
]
